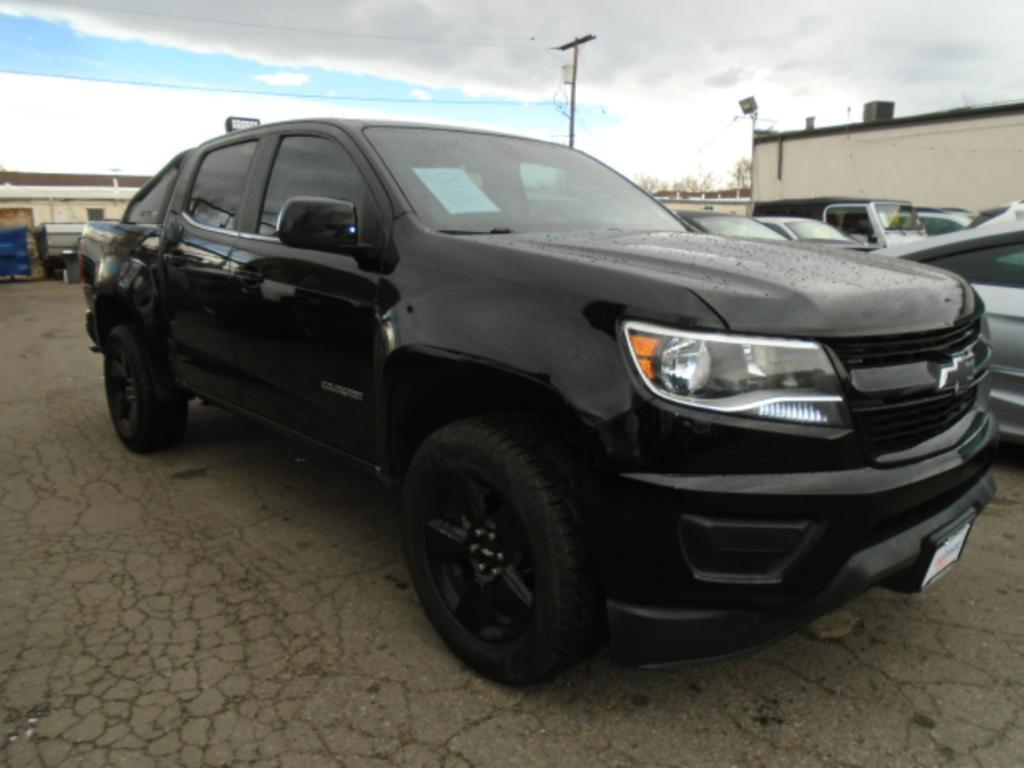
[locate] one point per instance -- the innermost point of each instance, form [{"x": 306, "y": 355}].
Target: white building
[
  {"x": 969, "y": 158},
  {"x": 33, "y": 199}
]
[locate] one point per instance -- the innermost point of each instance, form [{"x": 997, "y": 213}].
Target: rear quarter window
[{"x": 148, "y": 206}]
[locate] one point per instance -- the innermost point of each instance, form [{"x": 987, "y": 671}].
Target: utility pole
[
  {"x": 575, "y": 45},
  {"x": 749, "y": 108}
]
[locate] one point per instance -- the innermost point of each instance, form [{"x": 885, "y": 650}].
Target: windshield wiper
[{"x": 495, "y": 231}]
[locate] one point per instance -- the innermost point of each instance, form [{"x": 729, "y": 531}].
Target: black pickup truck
[{"x": 596, "y": 421}]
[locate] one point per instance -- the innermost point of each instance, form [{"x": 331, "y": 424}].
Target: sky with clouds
[{"x": 91, "y": 85}]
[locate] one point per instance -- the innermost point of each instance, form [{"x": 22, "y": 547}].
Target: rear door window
[
  {"x": 1002, "y": 265},
  {"x": 310, "y": 166},
  {"x": 217, "y": 192},
  {"x": 851, "y": 219}
]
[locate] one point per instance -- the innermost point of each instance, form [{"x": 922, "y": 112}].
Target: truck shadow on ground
[
  {"x": 332, "y": 504},
  {"x": 275, "y": 569}
]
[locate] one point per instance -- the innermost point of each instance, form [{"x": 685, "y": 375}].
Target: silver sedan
[{"x": 991, "y": 258}]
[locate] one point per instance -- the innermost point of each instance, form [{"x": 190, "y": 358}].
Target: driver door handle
[{"x": 248, "y": 276}]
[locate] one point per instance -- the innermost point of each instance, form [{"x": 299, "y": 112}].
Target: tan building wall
[{"x": 961, "y": 161}]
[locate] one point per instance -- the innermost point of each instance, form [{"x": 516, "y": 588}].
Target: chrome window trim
[
  {"x": 188, "y": 218},
  {"x": 233, "y": 232},
  {"x": 259, "y": 238}
]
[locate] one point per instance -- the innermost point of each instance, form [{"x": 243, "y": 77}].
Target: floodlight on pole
[{"x": 569, "y": 76}]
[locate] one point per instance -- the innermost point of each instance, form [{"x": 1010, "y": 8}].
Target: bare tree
[
  {"x": 697, "y": 185},
  {"x": 650, "y": 184},
  {"x": 740, "y": 173}
]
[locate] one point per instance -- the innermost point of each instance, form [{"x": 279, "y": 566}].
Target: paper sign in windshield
[{"x": 455, "y": 190}]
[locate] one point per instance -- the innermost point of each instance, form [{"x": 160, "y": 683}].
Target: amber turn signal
[{"x": 645, "y": 350}]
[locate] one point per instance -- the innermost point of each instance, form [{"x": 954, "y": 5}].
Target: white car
[
  {"x": 809, "y": 230},
  {"x": 944, "y": 221},
  {"x": 1000, "y": 214}
]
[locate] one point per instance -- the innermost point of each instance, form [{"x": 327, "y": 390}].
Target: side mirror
[
  {"x": 320, "y": 224},
  {"x": 173, "y": 231}
]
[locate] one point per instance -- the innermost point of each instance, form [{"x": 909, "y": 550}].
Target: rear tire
[
  {"x": 496, "y": 550},
  {"x": 146, "y": 416}
]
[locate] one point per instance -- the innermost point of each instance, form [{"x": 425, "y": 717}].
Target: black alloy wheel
[
  {"x": 496, "y": 548},
  {"x": 147, "y": 411},
  {"x": 121, "y": 393},
  {"x": 480, "y": 559}
]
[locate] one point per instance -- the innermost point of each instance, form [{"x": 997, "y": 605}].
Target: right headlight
[{"x": 778, "y": 379}]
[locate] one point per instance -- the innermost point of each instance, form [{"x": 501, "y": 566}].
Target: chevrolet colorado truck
[{"x": 597, "y": 423}]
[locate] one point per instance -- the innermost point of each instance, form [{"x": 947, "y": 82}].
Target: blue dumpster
[{"x": 14, "y": 259}]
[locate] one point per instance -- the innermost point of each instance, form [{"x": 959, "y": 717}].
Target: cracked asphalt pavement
[{"x": 240, "y": 600}]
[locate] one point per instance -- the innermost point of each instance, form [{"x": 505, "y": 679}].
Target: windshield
[
  {"x": 816, "y": 230},
  {"x": 463, "y": 183},
  {"x": 738, "y": 226},
  {"x": 898, "y": 218}
]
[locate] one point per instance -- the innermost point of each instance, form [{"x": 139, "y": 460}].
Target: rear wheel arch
[{"x": 146, "y": 413}]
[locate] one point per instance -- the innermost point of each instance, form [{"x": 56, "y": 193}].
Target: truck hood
[{"x": 761, "y": 287}]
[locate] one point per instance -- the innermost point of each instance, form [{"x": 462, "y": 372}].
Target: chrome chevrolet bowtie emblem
[{"x": 957, "y": 374}]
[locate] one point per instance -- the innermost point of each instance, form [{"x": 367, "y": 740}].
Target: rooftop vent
[
  {"x": 877, "y": 111},
  {"x": 810, "y": 124}
]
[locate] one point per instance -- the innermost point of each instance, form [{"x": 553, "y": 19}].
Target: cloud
[
  {"x": 419, "y": 93},
  {"x": 668, "y": 74},
  {"x": 729, "y": 78},
  {"x": 284, "y": 78},
  {"x": 34, "y": 138}
]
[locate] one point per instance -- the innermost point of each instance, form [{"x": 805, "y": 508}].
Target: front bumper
[
  {"x": 729, "y": 563},
  {"x": 654, "y": 636}
]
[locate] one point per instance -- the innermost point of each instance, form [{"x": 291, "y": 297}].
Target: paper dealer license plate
[{"x": 948, "y": 552}]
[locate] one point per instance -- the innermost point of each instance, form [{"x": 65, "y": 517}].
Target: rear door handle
[{"x": 178, "y": 259}]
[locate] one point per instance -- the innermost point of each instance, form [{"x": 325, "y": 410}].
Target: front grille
[
  {"x": 898, "y": 425},
  {"x": 872, "y": 351}
]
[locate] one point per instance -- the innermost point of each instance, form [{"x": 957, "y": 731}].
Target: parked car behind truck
[
  {"x": 58, "y": 245},
  {"x": 812, "y": 231},
  {"x": 592, "y": 417},
  {"x": 992, "y": 259},
  {"x": 878, "y": 223},
  {"x": 727, "y": 225}
]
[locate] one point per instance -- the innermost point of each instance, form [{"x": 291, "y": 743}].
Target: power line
[
  {"x": 289, "y": 30},
  {"x": 255, "y": 92},
  {"x": 718, "y": 135}
]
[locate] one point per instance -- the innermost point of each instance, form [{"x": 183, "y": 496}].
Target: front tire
[
  {"x": 497, "y": 552},
  {"x": 144, "y": 420}
]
